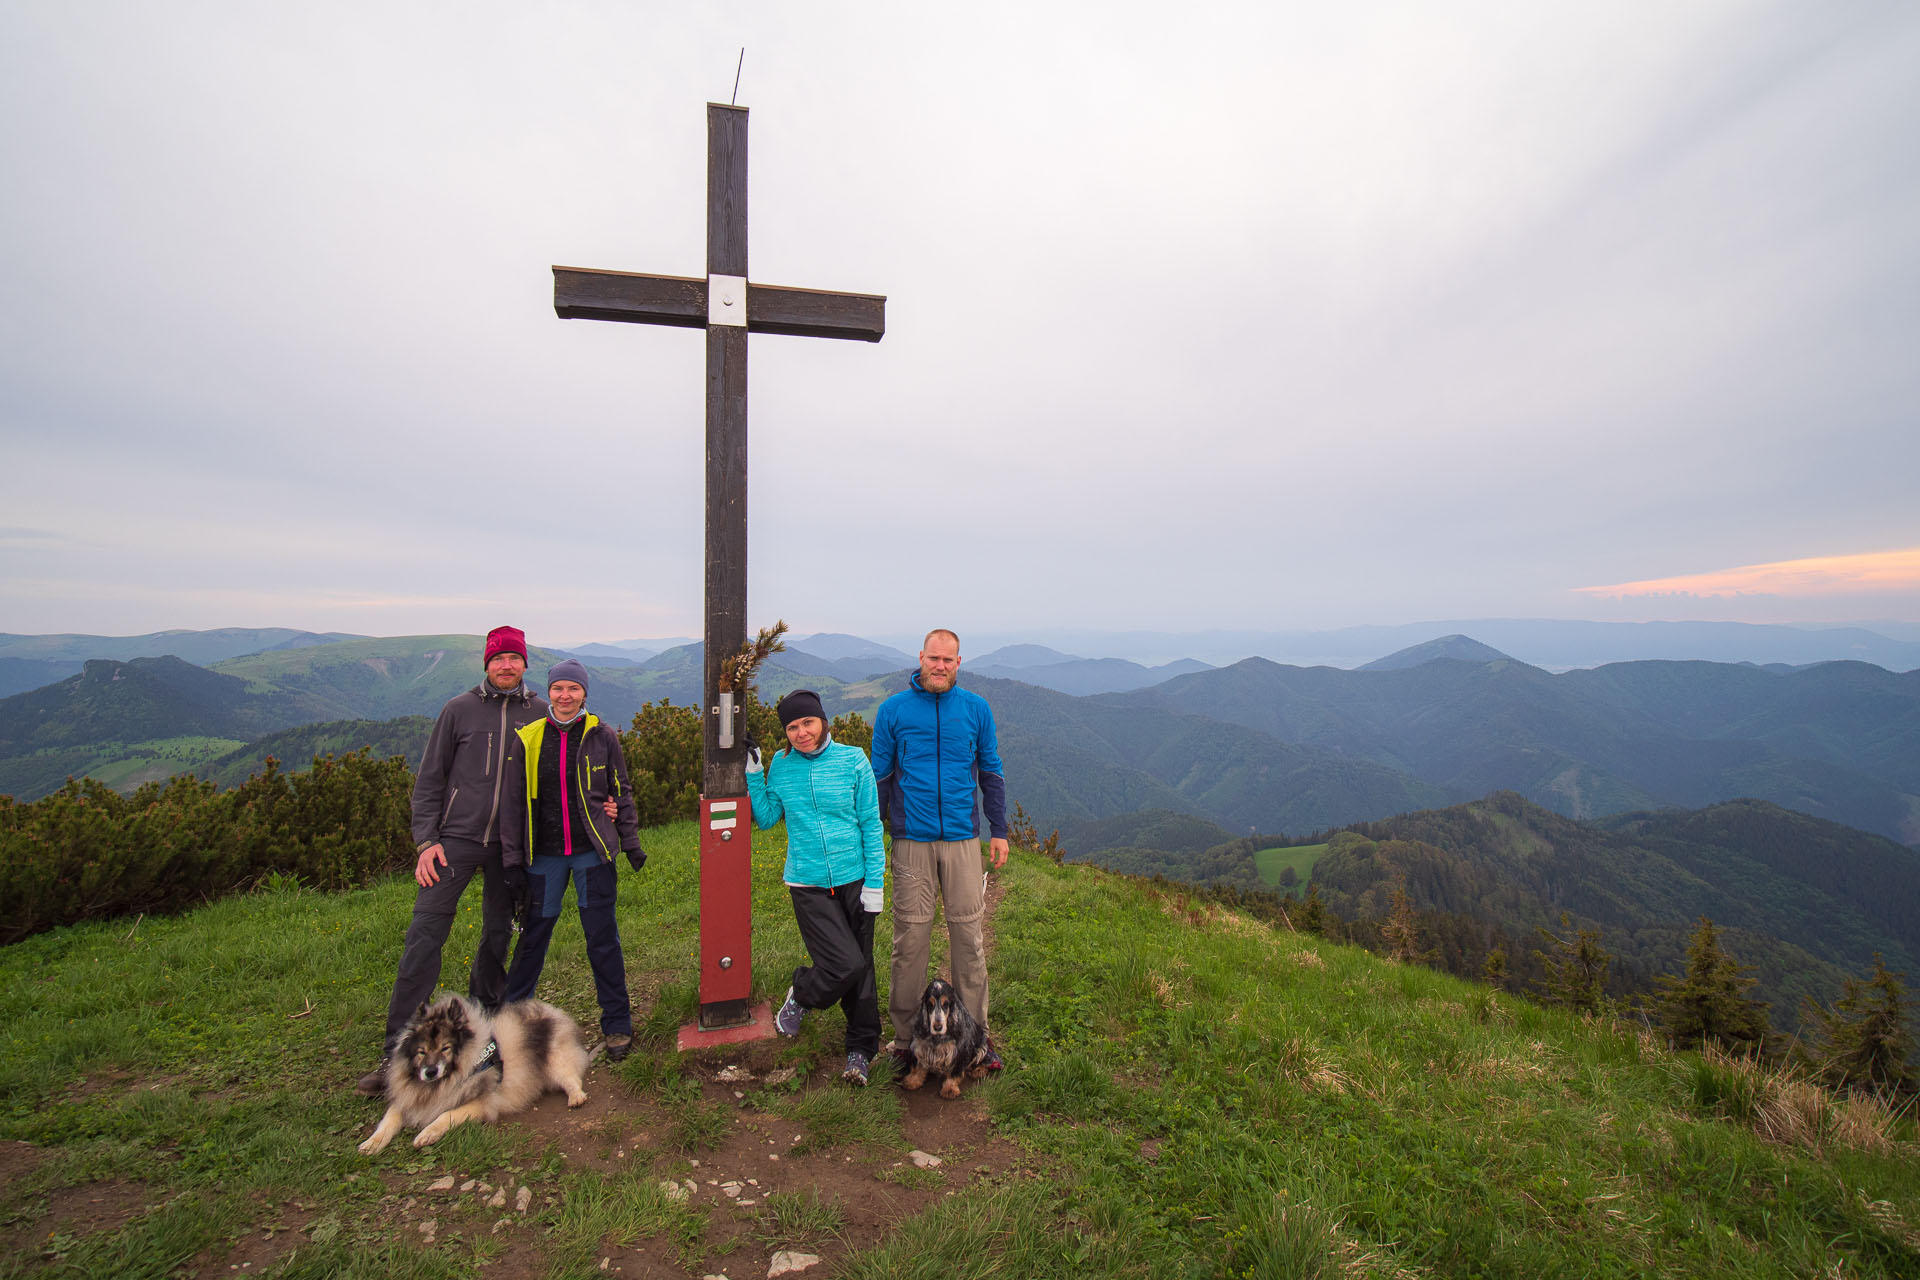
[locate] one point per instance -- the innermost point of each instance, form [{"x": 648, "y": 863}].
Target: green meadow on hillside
[
  {"x": 1188, "y": 1094},
  {"x": 1300, "y": 857},
  {"x": 159, "y": 760},
  {"x": 121, "y": 765}
]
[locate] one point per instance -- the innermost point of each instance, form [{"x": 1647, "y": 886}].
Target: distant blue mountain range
[{"x": 1255, "y": 744}]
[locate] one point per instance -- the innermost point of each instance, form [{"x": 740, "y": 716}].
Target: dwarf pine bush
[{"x": 86, "y": 852}]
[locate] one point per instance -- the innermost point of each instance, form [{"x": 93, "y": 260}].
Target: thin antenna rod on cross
[{"x": 735, "y": 100}]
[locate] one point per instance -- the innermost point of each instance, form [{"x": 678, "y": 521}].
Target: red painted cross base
[
  {"x": 727, "y": 1012},
  {"x": 694, "y": 1036}
]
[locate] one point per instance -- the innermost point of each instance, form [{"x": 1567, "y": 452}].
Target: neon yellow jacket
[{"x": 598, "y": 771}]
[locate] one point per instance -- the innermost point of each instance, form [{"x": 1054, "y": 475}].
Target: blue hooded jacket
[{"x": 931, "y": 753}]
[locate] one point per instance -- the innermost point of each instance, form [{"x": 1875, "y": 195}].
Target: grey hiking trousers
[{"x": 925, "y": 875}]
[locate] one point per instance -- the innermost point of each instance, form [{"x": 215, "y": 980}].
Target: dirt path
[{"x": 760, "y": 1154}]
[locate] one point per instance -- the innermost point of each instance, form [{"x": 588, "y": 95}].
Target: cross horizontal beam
[{"x": 583, "y": 293}]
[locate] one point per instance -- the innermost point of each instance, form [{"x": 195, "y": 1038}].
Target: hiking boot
[
  {"x": 374, "y": 1083},
  {"x": 619, "y": 1046},
  {"x": 902, "y": 1054},
  {"x": 989, "y": 1059},
  {"x": 856, "y": 1072},
  {"x": 787, "y": 1021}
]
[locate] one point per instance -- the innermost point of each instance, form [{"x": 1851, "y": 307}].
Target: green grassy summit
[{"x": 1188, "y": 1094}]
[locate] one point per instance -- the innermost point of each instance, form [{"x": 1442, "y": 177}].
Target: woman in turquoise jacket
[{"x": 836, "y": 870}]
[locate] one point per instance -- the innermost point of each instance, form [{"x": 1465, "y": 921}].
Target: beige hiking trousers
[{"x": 926, "y": 874}]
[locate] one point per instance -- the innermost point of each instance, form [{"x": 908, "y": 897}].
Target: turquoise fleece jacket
[{"x": 832, "y": 811}]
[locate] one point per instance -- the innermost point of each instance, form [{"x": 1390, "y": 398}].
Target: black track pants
[{"x": 839, "y": 939}]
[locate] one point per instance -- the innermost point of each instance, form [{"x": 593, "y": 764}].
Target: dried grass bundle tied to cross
[{"x": 737, "y": 672}]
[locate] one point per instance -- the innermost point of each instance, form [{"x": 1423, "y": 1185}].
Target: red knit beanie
[{"x": 505, "y": 640}]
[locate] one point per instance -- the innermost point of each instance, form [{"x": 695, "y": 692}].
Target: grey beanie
[{"x": 568, "y": 669}]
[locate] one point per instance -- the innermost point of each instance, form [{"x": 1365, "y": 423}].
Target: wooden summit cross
[{"x": 728, "y": 308}]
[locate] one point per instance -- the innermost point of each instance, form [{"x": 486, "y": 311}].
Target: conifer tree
[
  {"x": 1576, "y": 969},
  {"x": 1864, "y": 1040},
  {"x": 1494, "y": 971},
  {"x": 1401, "y": 931},
  {"x": 1313, "y": 912},
  {"x": 1709, "y": 1004}
]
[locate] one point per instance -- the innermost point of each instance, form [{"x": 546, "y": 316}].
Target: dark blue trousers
[{"x": 594, "y": 886}]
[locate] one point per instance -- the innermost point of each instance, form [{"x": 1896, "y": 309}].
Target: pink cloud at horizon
[{"x": 1870, "y": 572}]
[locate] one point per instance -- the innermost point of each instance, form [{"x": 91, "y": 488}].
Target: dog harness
[{"x": 489, "y": 1059}]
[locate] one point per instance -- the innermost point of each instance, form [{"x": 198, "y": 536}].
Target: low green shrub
[{"x": 86, "y": 853}]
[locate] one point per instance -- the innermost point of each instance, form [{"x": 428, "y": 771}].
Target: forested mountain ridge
[
  {"x": 143, "y": 698},
  {"x": 129, "y": 722},
  {"x": 137, "y": 710},
  {"x": 297, "y": 747},
  {"x": 376, "y": 679},
  {"x": 415, "y": 675},
  {"x": 1851, "y": 714},
  {"x": 197, "y": 647},
  {"x": 1806, "y": 902},
  {"x": 1255, "y": 746},
  {"x": 1071, "y": 758},
  {"x": 1066, "y": 673},
  {"x": 1458, "y": 647},
  {"x": 31, "y": 662},
  {"x": 1839, "y": 741}
]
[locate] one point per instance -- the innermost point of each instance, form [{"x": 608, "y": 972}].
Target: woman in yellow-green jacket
[{"x": 567, "y": 809}]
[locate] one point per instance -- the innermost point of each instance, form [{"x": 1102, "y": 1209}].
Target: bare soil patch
[
  {"x": 619, "y": 1131},
  {"x": 32, "y": 1227},
  {"x": 277, "y": 1231}
]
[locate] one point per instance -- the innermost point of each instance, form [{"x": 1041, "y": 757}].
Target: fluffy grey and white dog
[{"x": 453, "y": 1064}]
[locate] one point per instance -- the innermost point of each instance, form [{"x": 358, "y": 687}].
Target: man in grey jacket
[{"x": 456, "y": 832}]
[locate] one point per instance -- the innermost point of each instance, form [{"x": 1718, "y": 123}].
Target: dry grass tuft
[
  {"x": 1167, "y": 993},
  {"x": 1889, "y": 1219},
  {"x": 1864, "y": 1122},
  {"x": 1360, "y": 1263},
  {"x": 1246, "y": 926},
  {"x": 1306, "y": 1064},
  {"x": 1784, "y": 1106},
  {"x": 1507, "y": 1068}
]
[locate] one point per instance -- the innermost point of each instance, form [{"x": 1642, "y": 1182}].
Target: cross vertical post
[
  {"x": 726, "y": 863},
  {"x": 728, "y": 308}
]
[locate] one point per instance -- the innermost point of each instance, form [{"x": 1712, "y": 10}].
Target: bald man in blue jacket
[{"x": 934, "y": 748}]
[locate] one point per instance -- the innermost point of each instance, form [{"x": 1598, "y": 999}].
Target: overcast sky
[{"x": 1264, "y": 315}]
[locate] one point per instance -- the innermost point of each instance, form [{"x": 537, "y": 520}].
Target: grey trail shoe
[
  {"x": 618, "y": 1047},
  {"x": 856, "y": 1072},
  {"x": 787, "y": 1021}
]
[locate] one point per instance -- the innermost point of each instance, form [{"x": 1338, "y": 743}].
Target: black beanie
[{"x": 798, "y": 705}]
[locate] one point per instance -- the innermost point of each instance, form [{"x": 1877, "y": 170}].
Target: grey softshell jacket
[{"x": 457, "y": 791}]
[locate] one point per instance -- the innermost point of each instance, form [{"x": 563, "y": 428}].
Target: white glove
[
  {"x": 871, "y": 899},
  {"x": 753, "y": 759}
]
